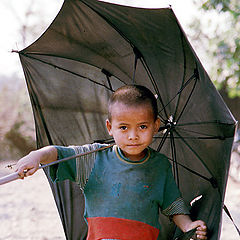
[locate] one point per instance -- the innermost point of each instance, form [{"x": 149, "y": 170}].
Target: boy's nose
[{"x": 133, "y": 135}]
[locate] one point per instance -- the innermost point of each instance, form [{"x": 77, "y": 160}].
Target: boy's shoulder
[
  {"x": 159, "y": 157},
  {"x": 158, "y": 154}
]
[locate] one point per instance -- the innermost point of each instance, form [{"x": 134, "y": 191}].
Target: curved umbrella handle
[
  {"x": 188, "y": 235},
  {"x": 9, "y": 178}
]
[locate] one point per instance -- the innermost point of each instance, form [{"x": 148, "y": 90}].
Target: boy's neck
[{"x": 134, "y": 158}]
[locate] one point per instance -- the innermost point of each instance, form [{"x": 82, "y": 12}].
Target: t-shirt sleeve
[
  {"x": 77, "y": 169},
  {"x": 64, "y": 170},
  {"x": 173, "y": 202}
]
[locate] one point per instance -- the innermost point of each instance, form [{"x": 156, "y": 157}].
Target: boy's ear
[
  {"x": 157, "y": 125},
  {"x": 109, "y": 127}
]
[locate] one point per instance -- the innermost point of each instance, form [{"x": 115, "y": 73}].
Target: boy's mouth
[{"x": 134, "y": 145}]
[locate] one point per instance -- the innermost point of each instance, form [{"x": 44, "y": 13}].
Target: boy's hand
[
  {"x": 185, "y": 223},
  {"x": 28, "y": 165},
  {"x": 201, "y": 232}
]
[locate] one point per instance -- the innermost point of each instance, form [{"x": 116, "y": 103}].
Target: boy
[{"x": 124, "y": 185}]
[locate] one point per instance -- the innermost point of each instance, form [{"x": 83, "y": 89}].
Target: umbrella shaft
[{"x": 9, "y": 178}]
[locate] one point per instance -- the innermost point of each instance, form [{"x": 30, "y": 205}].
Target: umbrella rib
[
  {"x": 195, "y": 83},
  {"x": 193, "y": 151},
  {"x": 184, "y": 75},
  {"x": 108, "y": 75},
  {"x": 206, "y": 122},
  {"x": 74, "y": 59},
  {"x": 163, "y": 140},
  {"x": 192, "y": 171},
  {"x": 135, "y": 68},
  {"x": 155, "y": 87},
  {"x": 181, "y": 89},
  {"x": 66, "y": 70},
  {"x": 175, "y": 166},
  {"x": 138, "y": 55},
  {"x": 204, "y": 135},
  {"x": 200, "y": 138},
  {"x": 200, "y": 133}
]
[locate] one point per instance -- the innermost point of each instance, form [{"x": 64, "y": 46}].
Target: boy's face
[{"x": 132, "y": 128}]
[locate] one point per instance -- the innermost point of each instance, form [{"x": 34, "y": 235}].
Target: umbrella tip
[{"x": 14, "y": 51}]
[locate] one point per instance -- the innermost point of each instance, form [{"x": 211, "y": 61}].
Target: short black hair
[{"x": 133, "y": 95}]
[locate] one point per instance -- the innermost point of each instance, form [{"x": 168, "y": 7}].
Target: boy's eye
[
  {"x": 143, "y": 126},
  {"x": 123, "y": 127}
]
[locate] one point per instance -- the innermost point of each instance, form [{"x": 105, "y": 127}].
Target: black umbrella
[{"x": 91, "y": 49}]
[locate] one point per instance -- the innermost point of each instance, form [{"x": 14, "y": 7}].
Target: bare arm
[
  {"x": 185, "y": 223},
  {"x": 30, "y": 162}
]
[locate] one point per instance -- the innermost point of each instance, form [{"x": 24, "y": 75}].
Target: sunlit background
[{"x": 27, "y": 209}]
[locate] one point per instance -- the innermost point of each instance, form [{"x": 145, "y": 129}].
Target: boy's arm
[
  {"x": 29, "y": 164},
  {"x": 185, "y": 223}
]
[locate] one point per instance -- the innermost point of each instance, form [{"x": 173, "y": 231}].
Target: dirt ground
[{"x": 28, "y": 211}]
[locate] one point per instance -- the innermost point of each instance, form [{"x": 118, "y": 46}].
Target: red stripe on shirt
[{"x": 118, "y": 228}]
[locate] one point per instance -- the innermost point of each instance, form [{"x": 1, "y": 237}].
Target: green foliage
[
  {"x": 223, "y": 44},
  {"x": 231, "y": 6}
]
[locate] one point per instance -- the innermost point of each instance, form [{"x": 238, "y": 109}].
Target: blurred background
[{"x": 213, "y": 29}]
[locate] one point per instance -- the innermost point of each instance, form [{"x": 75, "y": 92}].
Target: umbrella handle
[
  {"x": 188, "y": 235},
  {"x": 9, "y": 178}
]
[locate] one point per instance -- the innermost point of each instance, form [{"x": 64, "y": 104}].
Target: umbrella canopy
[{"x": 90, "y": 50}]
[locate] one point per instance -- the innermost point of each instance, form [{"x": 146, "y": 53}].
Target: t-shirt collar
[{"x": 120, "y": 155}]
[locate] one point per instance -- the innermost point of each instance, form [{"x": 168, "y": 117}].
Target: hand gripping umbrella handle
[{"x": 190, "y": 235}]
